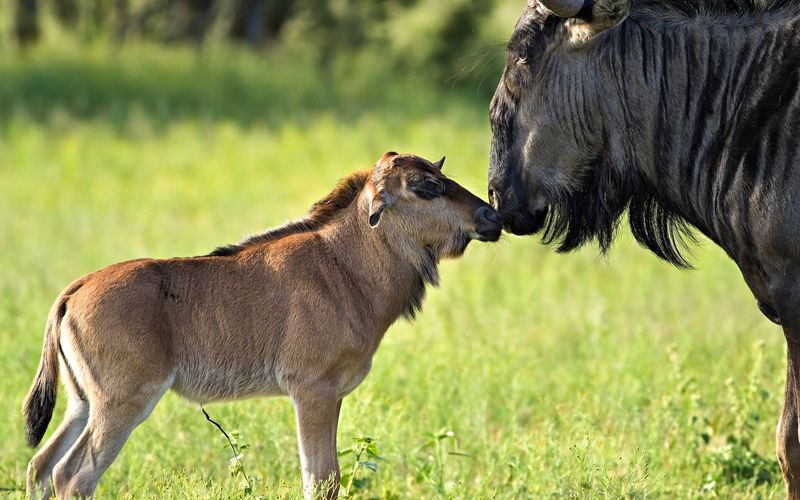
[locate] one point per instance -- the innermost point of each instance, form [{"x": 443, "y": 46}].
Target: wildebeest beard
[{"x": 595, "y": 208}]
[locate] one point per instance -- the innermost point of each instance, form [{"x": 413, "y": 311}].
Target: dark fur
[
  {"x": 701, "y": 181},
  {"x": 684, "y": 114},
  {"x": 595, "y": 210},
  {"x": 39, "y": 412}
]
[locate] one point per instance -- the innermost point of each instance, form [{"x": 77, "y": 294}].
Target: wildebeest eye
[
  {"x": 510, "y": 81},
  {"x": 427, "y": 187},
  {"x": 522, "y": 60}
]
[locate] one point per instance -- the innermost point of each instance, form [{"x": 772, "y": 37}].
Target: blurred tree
[
  {"x": 67, "y": 11},
  {"x": 26, "y": 22},
  {"x": 458, "y": 30},
  {"x": 448, "y": 38},
  {"x": 97, "y": 17},
  {"x": 166, "y": 20},
  {"x": 340, "y": 26},
  {"x": 185, "y": 20},
  {"x": 122, "y": 18},
  {"x": 142, "y": 22},
  {"x": 259, "y": 22}
]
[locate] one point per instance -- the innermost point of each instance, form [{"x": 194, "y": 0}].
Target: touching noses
[
  {"x": 487, "y": 216},
  {"x": 488, "y": 223}
]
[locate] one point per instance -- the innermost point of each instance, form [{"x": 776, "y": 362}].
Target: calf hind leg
[
  {"x": 41, "y": 466},
  {"x": 107, "y": 430}
]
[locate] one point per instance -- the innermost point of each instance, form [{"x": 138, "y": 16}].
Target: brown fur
[
  {"x": 320, "y": 214},
  {"x": 297, "y": 311}
]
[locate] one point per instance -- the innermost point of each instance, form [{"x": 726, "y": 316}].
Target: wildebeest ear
[
  {"x": 596, "y": 15},
  {"x": 439, "y": 164},
  {"x": 606, "y": 14},
  {"x": 379, "y": 203}
]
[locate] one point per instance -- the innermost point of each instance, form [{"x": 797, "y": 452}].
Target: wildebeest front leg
[
  {"x": 788, "y": 443},
  {"x": 317, "y": 414}
]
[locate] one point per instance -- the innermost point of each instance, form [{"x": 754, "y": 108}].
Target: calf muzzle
[{"x": 488, "y": 223}]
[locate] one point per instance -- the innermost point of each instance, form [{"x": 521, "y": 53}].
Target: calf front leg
[{"x": 317, "y": 414}]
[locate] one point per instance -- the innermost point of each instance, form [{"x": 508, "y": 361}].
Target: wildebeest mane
[
  {"x": 321, "y": 213},
  {"x": 594, "y": 211},
  {"x": 692, "y": 8}
]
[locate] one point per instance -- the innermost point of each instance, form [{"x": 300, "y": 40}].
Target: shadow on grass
[{"x": 169, "y": 85}]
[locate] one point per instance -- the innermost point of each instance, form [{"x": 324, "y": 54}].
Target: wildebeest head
[{"x": 547, "y": 145}]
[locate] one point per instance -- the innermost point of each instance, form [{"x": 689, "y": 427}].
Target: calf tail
[{"x": 38, "y": 406}]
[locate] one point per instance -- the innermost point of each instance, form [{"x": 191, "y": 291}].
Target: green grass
[{"x": 558, "y": 376}]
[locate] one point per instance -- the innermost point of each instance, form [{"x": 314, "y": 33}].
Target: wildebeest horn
[{"x": 566, "y": 8}]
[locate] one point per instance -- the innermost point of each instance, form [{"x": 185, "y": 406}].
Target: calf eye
[
  {"x": 434, "y": 186},
  {"x": 428, "y": 188}
]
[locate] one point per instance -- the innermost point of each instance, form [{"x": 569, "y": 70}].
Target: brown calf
[{"x": 297, "y": 311}]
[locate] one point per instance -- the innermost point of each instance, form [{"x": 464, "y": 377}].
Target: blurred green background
[
  {"x": 303, "y": 56},
  {"x": 165, "y": 127}
]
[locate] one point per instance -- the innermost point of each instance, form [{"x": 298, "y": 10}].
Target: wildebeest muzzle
[{"x": 519, "y": 216}]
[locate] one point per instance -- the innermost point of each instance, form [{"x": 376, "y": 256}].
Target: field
[{"x": 528, "y": 374}]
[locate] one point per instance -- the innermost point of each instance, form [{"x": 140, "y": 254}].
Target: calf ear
[
  {"x": 387, "y": 156},
  {"x": 380, "y": 202}
]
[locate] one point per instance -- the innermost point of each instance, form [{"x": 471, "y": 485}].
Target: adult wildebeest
[
  {"x": 682, "y": 112},
  {"x": 298, "y": 311}
]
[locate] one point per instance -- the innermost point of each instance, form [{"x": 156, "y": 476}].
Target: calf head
[{"x": 411, "y": 197}]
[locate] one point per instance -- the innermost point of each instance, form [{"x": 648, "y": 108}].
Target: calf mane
[{"x": 320, "y": 214}]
